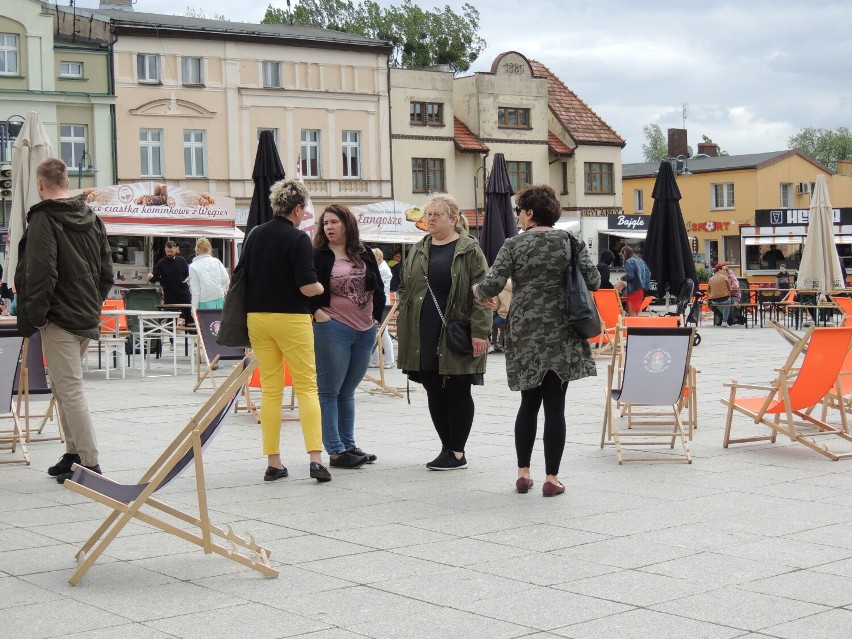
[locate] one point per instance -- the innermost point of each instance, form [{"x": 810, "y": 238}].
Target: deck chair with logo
[
  {"x": 610, "y": 311},
  {"x": 786, "y": 405},
  {"x": 209, "y": 353},
  {"x": 656, "y": 373},
  {"x": 30, "y": 383},
  {"x": 11, "y": 439},
  {"x": 137, "y": 501}
]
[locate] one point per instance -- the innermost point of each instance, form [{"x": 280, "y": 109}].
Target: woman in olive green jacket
[{"x": 436, "y": 280}]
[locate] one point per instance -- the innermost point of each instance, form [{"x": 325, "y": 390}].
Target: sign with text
[
  {"x": 625, "y": 222},
  {"x": 797, "y": 217}
]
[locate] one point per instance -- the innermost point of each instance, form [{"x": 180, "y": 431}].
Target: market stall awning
[
  {"x": 639, "y": 235},
  {"x": 175, "y": 230},
  {"x": 775, "y": 239}
]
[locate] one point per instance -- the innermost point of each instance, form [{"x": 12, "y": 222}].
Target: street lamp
[
  {"x": 476, "y": 188},
  {"x": 80, "y": 166},
  {"x": 679, "y": 164}
]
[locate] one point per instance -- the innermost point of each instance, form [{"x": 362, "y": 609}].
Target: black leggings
[
  {"x": 451, "y": 407},
  {"x": 552, "y": 392}
]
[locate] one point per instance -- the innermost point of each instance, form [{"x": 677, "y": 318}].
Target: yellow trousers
[{"x": 276, "y": 337}]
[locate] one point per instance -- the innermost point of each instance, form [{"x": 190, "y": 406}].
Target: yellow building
[{"x": 736, "y": 207}]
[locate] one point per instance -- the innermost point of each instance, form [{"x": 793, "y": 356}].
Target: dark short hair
[
  {"x": 541, "y": 200},
  {"x": 171, "y": 244}
]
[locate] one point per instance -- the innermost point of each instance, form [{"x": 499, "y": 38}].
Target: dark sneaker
[
  {"x": 60, "y": 479},
  {"x": 357, "y": 451},
  {"x": 438, "y": 458},
  {"x": 448, "y": 462},
  {"x": 347, "y": 459},
  {"x": 320, "y": 472},
  {"x": 273, "y": 473},
  {"x": 64, "y": 464}
]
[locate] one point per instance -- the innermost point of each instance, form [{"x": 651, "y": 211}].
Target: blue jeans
[
  {"x": 726, "y": 310},
  {"x": 343, "y": 355}
]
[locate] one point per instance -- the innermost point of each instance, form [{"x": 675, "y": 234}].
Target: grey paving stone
[
  {"x": 461, "y": 552},
  {"x": 292, "y": 581},
  {"x": 739, "y": 608},
  {"x": 127, "y": 631},
  {"x": 376, "y": 566},
  {"x": 643, "y": 624},
  {"x": 806, "y": 585},
  {"x": 634, "y": 587},
  {"x": 15, "y": 591},
  {"x": 626, "y": 552},
  {"x": 715, "y": 569},
  {"x": 543, "y": 569},
  {"x": 842, "y": 568},
  {"x": 55, "y": 618},
  {"x": 541, "y": 537},
  {"x": 444, "y": 622},
  {"x": 42, "y": 559},
  {"x": 826, "y": 625},
  {"x": 796, "y": 553},
  {"x": 451, "y": 587},
  {"x": 389, "y": 536}
]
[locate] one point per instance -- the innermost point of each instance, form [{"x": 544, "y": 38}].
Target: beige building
[
  {"x": 58, "y": 65},
  {"x": 194, "y": 95},
  {"x": 444, "y": 129}
]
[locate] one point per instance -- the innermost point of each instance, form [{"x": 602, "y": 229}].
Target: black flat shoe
[
  {"x": 357, "y": 451},
  {"x": 273, "y": 473},
  {"x": 320, "y": 472}
]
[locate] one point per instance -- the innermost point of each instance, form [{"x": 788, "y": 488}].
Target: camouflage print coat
[{"x": 537, "y": 338}]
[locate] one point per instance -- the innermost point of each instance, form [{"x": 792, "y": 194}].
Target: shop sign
[
  {"x": 708, "y": 226},
  {"x": 797, "y": 217},
  {"x": 624, "y": 222}
]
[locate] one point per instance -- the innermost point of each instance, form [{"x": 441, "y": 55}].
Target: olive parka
[
  {"x": 468, "y": 268},
  {"x": 64, "y": 268}
]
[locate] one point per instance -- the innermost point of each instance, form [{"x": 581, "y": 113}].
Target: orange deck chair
[
  {"x": 609, "y": 309},
  {"x": 787, "y": 407},
  {"x": 250, "y": 403},
  {"x": 845, "y": 306}
]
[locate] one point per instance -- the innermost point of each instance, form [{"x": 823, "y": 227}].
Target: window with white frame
[
  {"x": 72, "y": 143},
  {"x": 151, "y": 152},
  {"x": 274, "y": 133},
  {"x": 194, "y": 153},
  {"x": 271, "y": 74},
  {"x": 352, "y": 154},
  {"x": 147, "y": 67},
  {"x": 638, "y": 200},
  {"x": 191, "y": 70},
  {"x": 71, "y": 69},
  {"x": 8, "y": 54},
  {"x": 310, "y": 153},
  {"x": 787, "y": 194},
  {"x": 722, "y": 195}
]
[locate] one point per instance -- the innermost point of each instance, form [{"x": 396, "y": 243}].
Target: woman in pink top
[{"x": 346, "y": 318}]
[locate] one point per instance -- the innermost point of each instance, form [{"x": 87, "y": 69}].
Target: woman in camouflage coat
[{"x": 542, "y": 352}]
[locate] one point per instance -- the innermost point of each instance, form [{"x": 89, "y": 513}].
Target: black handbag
[
  {"x": 233, "y": 329},
  {"x": 581, "y": 313},
  {"x": 458, "y": 332}
]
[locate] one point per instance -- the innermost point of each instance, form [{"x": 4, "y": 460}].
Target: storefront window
[{"x": 767, "y": 257}]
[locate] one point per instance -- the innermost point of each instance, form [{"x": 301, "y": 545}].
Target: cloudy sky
[{"x": 751, "y": 73}]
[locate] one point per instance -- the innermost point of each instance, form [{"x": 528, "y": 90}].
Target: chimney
[
  {"x": 117, "y": 5},
  {"x": 844, "y": 167},
  {"x": 708, "y": 148},
  {"x": 677, "y": 142}
]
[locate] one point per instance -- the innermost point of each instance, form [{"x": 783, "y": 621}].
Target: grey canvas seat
[
  {"x": 656, "y": 373},
  {"x": 11, "y": 439},
  {"x": 207, "y": 322},
  {"x": 137, "y": 501},
  {"x": 31, "y": 383}
]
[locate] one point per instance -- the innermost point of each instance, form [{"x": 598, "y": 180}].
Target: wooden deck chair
[
  {"x": 796, "y": 391},
  {"x": 251, "y": 405},
  {"x": 646, "y": 302},
  {"x": 136, "y": 501},
  {"x": 610, "y": 311},
  {"x": 845, "y": 306},
  {"x": 382, "y": 386},
  {"x": 11, "y": 345},
  {"x": 656, "y": 370},
  {"x": 30, "y": 381},
  {"x": 207, "y": 322}
]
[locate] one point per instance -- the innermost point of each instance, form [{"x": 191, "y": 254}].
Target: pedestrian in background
[
  {"x": 387, "y": 344},
  {"x": 635, "y": 281},
  {"x": 208, "y": 277}
]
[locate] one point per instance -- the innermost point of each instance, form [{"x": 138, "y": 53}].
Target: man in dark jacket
[{"x": 64, "y": 274}]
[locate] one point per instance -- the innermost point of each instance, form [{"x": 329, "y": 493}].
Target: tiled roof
[
  {"x": 556, "y": 145},
  {"x": 472, "y": 219},
  {"x": 466, "y": 141},
  {"x": 583, "y": 125},
  {"x": 706, "y": 164}
]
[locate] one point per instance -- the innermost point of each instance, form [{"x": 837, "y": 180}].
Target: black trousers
[
  {"x": 450, "y": 406},
  {"x": 552, "y": 394}
]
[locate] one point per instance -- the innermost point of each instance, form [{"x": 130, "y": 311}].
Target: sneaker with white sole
[{"x": 447, "y": 461}]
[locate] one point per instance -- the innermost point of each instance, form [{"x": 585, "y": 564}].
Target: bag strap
[{"x": 435, "y": 299}]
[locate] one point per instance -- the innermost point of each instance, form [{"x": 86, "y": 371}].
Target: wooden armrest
[{"x": 750, "y": 386}]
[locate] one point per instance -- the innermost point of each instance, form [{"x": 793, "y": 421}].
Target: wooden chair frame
[
  {"x": 30, "y": 359},
  {"x": 796, "y": 391},
  {"x": 128, "y": 500},
  {"x": 382, "y": 386},
  {"x": 611, "y": 314},
  {"x": 210, "y": 366},
  {"x": 645, "y": 420},
  {"x": 11, "y": 348}
]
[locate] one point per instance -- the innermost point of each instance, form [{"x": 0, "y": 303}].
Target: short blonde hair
[
  {"x": 53, "y": 173},
  {"x": 380, "y": 257},
  {"x": 448, "y": 204},
  {"x": 203, "y": 246},
  {"x": 286, "y": 195}
]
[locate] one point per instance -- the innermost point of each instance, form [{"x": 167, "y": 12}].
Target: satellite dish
[{"x": 689, "y": 151}]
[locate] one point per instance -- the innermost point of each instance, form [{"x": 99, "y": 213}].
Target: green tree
[
  {"x": 825, "y": 145},
  {"x": 419, "y": 38},
  {"x": 655, "y": 146},
  {"x": 199, "y": 13}
]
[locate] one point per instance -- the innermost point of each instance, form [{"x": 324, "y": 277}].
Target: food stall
[{"x": 141, "y": 217}]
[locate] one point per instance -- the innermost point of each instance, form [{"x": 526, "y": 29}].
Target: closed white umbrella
[
  {"x": 819, "y": 269},
  {"x": 31, "y": 148}
]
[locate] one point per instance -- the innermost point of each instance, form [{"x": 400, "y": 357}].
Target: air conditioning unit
[{"x": 804, "y": 188}]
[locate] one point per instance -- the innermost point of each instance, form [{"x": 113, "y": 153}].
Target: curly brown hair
[
  {"x": 352, "y": 244},
  {"x": 541, "y": 200}
]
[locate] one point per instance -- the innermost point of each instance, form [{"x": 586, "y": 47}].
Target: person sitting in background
[
  {"x": 606, "y": 260},
  {"x": 719, "y": 294},
  {"x": 736, "y": 316}
]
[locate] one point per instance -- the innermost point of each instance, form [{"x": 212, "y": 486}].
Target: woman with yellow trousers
[{"x": 279, "y": 271}]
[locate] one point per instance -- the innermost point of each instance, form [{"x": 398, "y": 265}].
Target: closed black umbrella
[
  {"x": 267, "y": 171},
  {"x": 499, "y": 223},
  {"x": 667, "y": 252}
]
